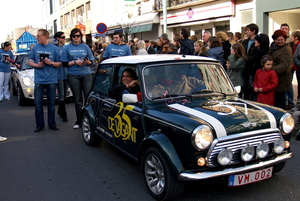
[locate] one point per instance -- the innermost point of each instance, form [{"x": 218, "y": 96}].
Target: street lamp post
[{"x": 165, "y": 15}]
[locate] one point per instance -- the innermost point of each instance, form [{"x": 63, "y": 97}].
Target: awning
[
  {"x": 141, "y": 28},
  {"x": 98, "y": 35},
  {"x": 111, "y": 31}
]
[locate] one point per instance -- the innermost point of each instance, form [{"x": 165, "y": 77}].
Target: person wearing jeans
[
  {"x": 38, "y": 100},
  {"x": 78, "y": 58},
  {"x": 6, "y": 58},
  {"x": 45, "y": 58},
  {"x": 62, "y": 86},
  {"x": 79, "y": 84}
]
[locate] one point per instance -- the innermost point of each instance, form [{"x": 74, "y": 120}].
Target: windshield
[
  {"x": 184, "y": 79},
  {"x": 24, "y": 63}
]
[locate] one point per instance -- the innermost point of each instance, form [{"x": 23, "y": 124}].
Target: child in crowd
[
  {"x": 235, "y": 64},
  {"x": 265, "y": 81}
]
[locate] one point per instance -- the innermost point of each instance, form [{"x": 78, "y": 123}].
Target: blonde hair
[
  {"x": 231, "y": 37},
  {"x": 141, "y": 44},
  {"x": 222, "y": 35}
]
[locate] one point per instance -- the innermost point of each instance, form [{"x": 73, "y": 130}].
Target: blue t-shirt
[
  {"x": 62, "y": 71},
  {"x": 4, "y": 65},
  {"x": 73, "y": 52},
  {"x": 113, "y": 50},
  {"x": 48, "y": 74}
]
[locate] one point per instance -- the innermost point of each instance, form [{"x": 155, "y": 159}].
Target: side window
[
  {"x": 103, "y": 79},
  {"x": 121, "y": 69}
]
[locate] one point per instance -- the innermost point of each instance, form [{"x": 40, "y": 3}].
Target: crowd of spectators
[{"x": 263, "y": 70}]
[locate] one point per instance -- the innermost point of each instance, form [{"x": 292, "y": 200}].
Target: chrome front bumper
[{"x": 230, "y": 171}]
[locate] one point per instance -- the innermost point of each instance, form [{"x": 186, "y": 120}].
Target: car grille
[{"x": 237, "y": 142}]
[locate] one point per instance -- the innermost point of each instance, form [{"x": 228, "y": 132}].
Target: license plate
[{"x": 250, "y": 177}]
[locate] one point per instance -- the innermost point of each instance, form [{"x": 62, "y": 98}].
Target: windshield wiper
[
  {"x": 168, "y": 96},
  {"x": 207, "y": 91}
]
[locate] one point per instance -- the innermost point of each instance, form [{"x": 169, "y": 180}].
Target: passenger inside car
[
  {"x": 129, "y": 85},
  {"x": 177, "y": 82}
]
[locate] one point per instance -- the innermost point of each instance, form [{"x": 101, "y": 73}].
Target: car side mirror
[
  {"x": 237, "y": 89},
  {"x": 129, "y": 98},
  {"x": 13, "y": 68}
]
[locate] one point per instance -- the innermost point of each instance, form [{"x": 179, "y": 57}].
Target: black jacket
[
  {"x": 150, "y": 50},
  {"x": 226, "y": 49},
  {"x": 187, "y": 47}
]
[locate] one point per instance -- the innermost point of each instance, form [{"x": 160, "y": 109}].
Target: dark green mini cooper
[{"x": 180, "y": 117}]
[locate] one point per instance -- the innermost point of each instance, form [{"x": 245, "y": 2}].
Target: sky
[{"x": 17, "y": 14}]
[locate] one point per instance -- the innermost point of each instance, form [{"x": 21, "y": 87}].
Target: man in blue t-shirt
[
  {"x": 45, "y": 59},
  {"x": 117, "y": 48}
]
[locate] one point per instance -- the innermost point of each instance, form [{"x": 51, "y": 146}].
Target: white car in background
[{"x": 22, "y": 79}]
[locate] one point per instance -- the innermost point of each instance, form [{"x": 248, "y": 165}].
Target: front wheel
[
  {"x": 88, "y": 134},
  {"x": 278, "y": 167},
  {"x": 21, "y": 98},
  {"x": 161, "y": 184}
]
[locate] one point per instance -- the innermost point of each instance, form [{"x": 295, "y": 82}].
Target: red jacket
[{"x": 268, "y": 81}]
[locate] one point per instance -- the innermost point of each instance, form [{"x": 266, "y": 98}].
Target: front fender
[
  {"x": 90, "y": 112},
  {"x": 160, "y": 141}
]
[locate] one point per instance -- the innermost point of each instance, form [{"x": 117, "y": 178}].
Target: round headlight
[
  {"x": 279, "y": 146},
  {"x": 225, "y": 156},
  {"x": 202, "y": 137},
  {"x": 247, "y": 153},
  {"x": 27, "y": 81},
  {"x": 262, "y": 150},
  {"x": 287, "y": 123}
]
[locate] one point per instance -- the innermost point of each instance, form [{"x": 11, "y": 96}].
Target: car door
[{"x": 122, "y": 122}]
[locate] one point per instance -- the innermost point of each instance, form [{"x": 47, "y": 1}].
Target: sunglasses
[
  {"x": 62, "y": 37},
  {"x": 76, "y": 36}
]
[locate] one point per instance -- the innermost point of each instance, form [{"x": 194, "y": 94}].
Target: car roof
[{"x": 134, "y": 59}]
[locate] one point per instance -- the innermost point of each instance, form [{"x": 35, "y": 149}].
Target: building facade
[{"x": 145, "y": 19}]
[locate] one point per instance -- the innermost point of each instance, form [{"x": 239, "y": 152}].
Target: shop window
[
  {"x": 246, "y": 17},
  {"x": 223, "y": 26}
]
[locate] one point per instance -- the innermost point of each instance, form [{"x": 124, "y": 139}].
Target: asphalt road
[{"x": 57, "y": 165}]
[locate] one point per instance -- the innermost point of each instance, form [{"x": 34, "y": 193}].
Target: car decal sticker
[
  {"x": 215, "y": 123},
  {"x": 269, "y": 114},
  {"x": 120, "y": 124}
]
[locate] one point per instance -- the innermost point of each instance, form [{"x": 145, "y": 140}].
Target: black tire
[
  {"x": 278, "y": 167},
  {"x": 160, "y": 182},
  {"x": 21, "y": 98},
  {"x": 13, "y": 88},
  {"x": 297, "y": 136},
  {"x": 88, "y": 133}
]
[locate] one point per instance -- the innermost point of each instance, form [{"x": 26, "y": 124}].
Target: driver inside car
[{"x": 129, "y": 85}]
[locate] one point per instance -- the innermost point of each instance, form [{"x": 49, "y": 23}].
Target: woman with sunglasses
[
  {"x": 62, "y": 85},
  {"x": 78, "y": 57},
  {"x": 6, "y": 58}
]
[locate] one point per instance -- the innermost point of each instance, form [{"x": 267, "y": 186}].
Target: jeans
[
  {"x": 290, "y": 93},
  {"x": 80, "y": 86},
  {"x": 38, "y": 100},
  {"x": 4, "y": 85},
  {"x": 62, "y": 88}
]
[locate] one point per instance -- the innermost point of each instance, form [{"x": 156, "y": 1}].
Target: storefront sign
[{"x": 190, "y": 13}]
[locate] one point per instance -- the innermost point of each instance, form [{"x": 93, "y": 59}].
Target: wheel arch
[
  {"x": 90, "y": 112},
  {"x": 160, "y": 141}
]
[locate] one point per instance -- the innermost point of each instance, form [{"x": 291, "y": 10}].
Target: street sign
[{"x": 101, "y": 28}]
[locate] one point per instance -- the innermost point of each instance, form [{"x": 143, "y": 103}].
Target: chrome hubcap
[
  {"x": 86, "y": 131},
  {"x": 154, "y": 174}
]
